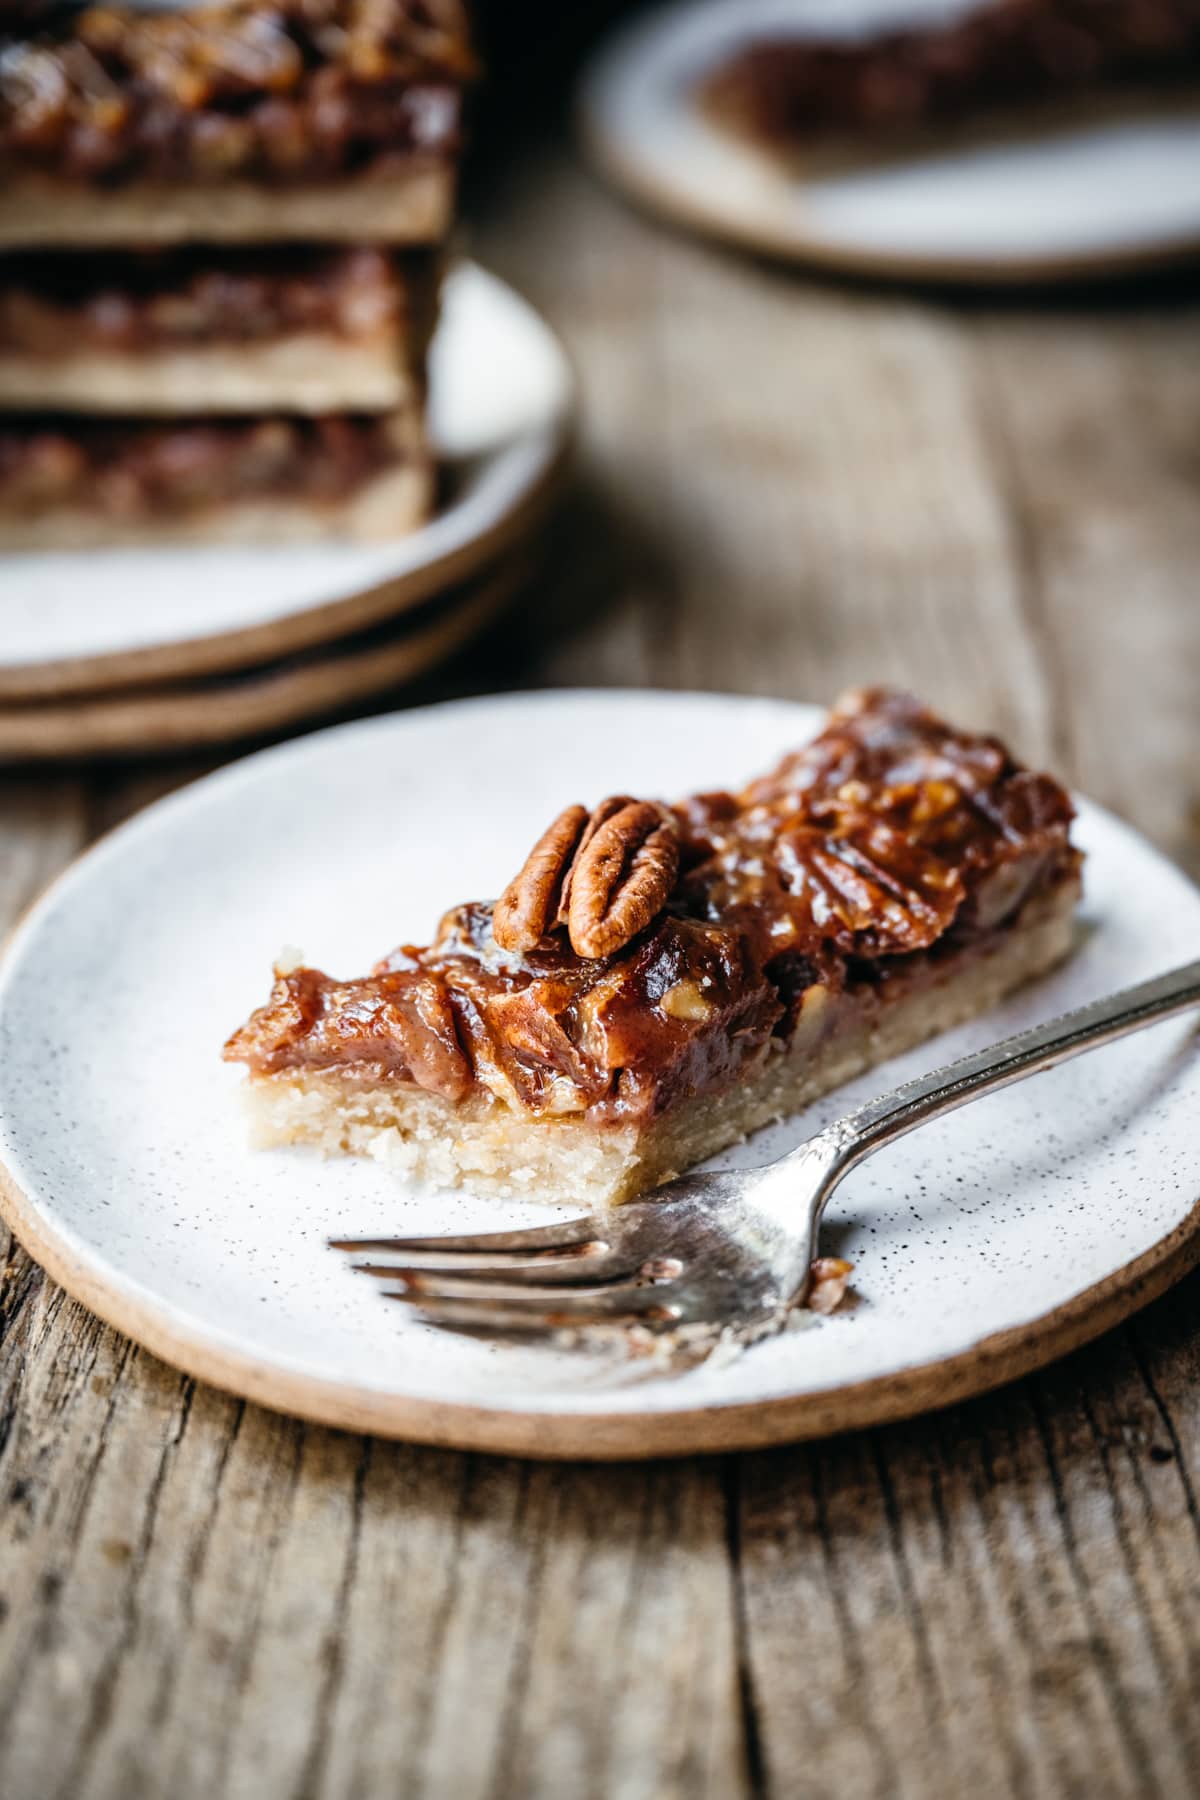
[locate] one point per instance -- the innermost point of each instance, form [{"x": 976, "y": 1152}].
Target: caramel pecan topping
[
  {"x": 703, "y": 936},
  {"x": 622, "y": 879},
  {"x": 530, "y": 904},
  {"x": 270, "y": 90}
]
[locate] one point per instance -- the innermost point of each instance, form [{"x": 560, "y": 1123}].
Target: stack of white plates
[{"x": 138, "y": 650}]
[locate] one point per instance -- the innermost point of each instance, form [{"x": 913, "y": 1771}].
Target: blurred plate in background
[
  {"x": 501, "y": 402},
  {"x": 1051, "y": 204}
]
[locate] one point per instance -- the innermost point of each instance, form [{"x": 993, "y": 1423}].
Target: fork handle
[{"x": 879, "y": 1121}]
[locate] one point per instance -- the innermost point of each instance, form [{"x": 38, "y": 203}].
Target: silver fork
[{"x": 727, "y": 1255}]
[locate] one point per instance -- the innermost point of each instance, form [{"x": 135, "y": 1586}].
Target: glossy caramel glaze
[{"x": 851, "y": 871}]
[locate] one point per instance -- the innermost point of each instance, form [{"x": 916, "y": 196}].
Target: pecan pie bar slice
[
  {"x": 658, "y": 980},
  {"x": 322, "y": 329},
  {"x": 73, "y": 483},
  {"x": 232, "y": 121}
]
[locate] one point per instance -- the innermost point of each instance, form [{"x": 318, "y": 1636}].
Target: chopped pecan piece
[
  {"x": 871, "y": 889},
  {"x": 402, "y": 1023},
  {"x": 828, "y": 1279},
  {"x": 622, "y": 879}
]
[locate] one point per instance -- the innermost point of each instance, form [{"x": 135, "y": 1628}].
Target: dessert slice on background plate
[
  {"x": 955, "y": 140},
  {"x": 826, "y": 90},
  {"x": 658, "y": 980}
]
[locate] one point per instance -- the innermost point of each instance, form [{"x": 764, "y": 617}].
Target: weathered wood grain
[
  {"x": 1095, "y": 427},
  {"x": 43, "y": 823},
  {"x": 786, "y": 487}
]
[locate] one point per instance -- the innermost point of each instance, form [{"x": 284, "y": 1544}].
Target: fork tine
[
  {"x": 567, "y": 1234},
  {"x": 590, "y": 1261},
  {"x": 450, "y": 1285},
  {"x": 619, "y": 1306}
]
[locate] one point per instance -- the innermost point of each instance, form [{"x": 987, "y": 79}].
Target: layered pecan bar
[
  {"x": 659, "y": 980},
  {"x": 993, "y": 65},
  {"x": 234, "y": 121},
  {"x": 305, "y": 330},
  {"x": 77, "y": 483}
]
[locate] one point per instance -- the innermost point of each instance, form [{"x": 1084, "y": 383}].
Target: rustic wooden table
[{"x": 785, "y": 486}]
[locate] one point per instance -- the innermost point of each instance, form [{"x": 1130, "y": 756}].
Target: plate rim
[
  {"x": 548, "y": 1434},
  {"x": 274, "y": 697},
  {"x": 309, "y": 627},
  {"x": 611, "y": 155}
]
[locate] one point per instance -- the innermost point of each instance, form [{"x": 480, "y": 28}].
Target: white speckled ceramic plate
[
  {"x": 1056, "y": 204},
  {"x": 983, "y": 1244},
  {"x": 501, "y": 398}
]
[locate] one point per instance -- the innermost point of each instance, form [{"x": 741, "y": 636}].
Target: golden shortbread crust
[
  {"x": 407, "y": 206},
  {"x": 309, "y": 372}
]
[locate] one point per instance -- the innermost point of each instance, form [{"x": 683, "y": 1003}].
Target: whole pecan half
[
  {"x": 603, "y": 874},
  {"x": 622, "y": 877},
  {"x": 530, "y": 905},
  {"x": 600, "y": 815}
]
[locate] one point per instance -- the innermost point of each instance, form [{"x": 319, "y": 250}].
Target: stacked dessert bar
[{"x": 221, "y": 234}]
